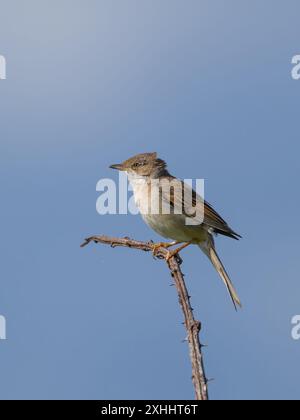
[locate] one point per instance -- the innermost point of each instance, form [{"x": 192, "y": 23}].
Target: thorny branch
[{"x": 192, "y": 326}]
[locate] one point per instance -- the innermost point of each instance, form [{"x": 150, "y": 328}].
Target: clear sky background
[{"x": 207, "y": 84}]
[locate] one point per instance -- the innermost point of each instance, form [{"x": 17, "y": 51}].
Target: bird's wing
[
  {"x": 215, "y": 221},
  {"x": 185, "y": 200}
]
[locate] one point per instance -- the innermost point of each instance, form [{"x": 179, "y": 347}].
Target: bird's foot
[
  {"x": 157, "y": 246},
  {"x": 175, "y": 252}
]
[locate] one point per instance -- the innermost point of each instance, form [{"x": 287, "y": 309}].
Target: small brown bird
[{"x": 186, "y": 221}]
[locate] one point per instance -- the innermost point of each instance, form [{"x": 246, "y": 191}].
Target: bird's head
[{"x": 143, "y": 165}]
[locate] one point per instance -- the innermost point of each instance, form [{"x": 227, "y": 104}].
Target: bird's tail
[{"x": 209, "y": 250}]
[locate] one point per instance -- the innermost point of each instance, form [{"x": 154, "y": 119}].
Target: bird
[{"x": 162, "y": 202}]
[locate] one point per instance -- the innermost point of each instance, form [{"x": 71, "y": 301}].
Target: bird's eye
[{"x": 139, "y": 164}]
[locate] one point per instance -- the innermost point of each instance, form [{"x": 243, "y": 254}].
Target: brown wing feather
[
  {"x": 211, "y": 217},
  {"x": 214, "y": 220}
]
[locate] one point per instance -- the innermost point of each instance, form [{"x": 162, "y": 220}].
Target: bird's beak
[{"x": 118, "y": 166}]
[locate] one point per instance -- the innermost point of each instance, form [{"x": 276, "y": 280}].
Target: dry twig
[{"x": 192, "y": 326}]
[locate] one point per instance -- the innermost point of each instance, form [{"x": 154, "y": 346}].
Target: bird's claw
[{"x": 157, "y": 246}]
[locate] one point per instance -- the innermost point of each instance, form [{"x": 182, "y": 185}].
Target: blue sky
[{"x": 207, "y": 84}]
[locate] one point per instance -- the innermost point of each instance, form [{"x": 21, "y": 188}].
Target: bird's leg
[
  {"x": 155, "y": 247},
  {"x": 177, "y": 250}
]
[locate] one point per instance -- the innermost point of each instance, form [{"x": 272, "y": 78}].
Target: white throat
[{"x": 140, "y": 186}]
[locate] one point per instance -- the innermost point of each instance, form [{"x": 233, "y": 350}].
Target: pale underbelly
[{"x": 175, "y": 227}]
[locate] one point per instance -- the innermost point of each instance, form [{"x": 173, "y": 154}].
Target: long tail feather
[{"x": 217, "y": 263}]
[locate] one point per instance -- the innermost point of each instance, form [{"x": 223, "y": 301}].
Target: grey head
[{"x": 144, "y": 164}]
